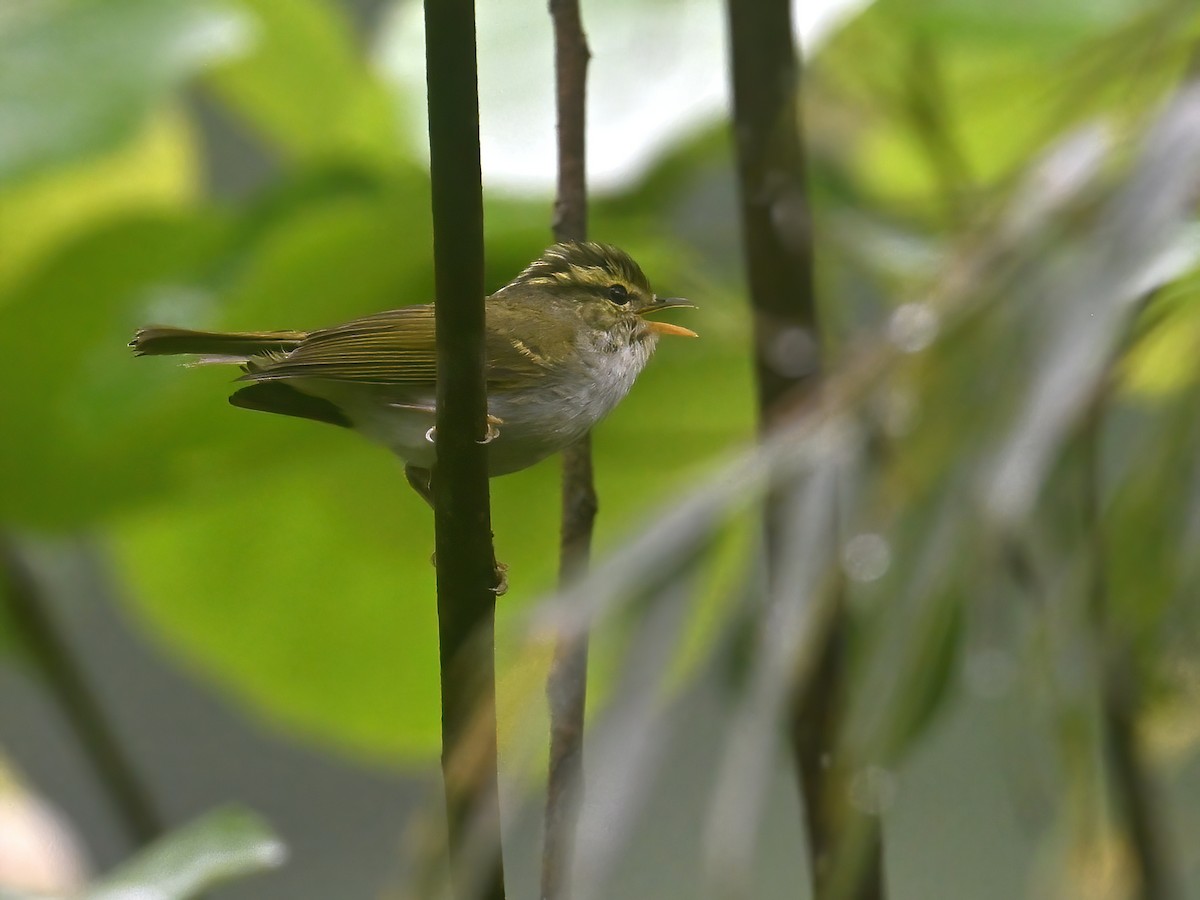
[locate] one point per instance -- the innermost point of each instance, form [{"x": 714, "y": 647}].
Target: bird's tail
[{"x": 214, "y": 346}]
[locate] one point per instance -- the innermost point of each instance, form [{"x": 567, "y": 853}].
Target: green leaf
[
  {"x": 934, "y": 110},
  {"x": 307, "y": 87},
  {"x": 305, "y": 586},
  {"x": 1162, "y": 362},
  {"x": 157, "y": 169},
  {"x": 92, "y": 425},
  {"x": 79, "y": 78},
  {"x": 223, "y": 845},
  {"x": 1029, "y": 21},
  {"x": 102, "y": 430}
]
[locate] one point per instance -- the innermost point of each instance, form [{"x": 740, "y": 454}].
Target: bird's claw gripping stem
[{"x": 493, "y": 431}]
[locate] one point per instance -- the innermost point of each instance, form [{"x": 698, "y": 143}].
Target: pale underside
[{"x": 379, "y": 372}]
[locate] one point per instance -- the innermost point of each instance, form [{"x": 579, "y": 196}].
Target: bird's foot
[
  {"x": 499, "y": 575},
  {"x": 493, "y": 431}
]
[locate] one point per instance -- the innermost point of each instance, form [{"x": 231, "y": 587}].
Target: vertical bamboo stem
[
  {"x": 462, "y": 512},
  {"x": 778, "y": 246}
]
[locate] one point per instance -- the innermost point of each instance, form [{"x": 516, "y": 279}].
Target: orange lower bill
[{"x": 668, "y": 328}]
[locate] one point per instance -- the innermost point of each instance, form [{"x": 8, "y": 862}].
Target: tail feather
[{"x": 160, "y": 340}]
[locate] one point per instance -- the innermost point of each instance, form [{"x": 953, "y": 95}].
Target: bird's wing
[
  {"x": 393, "y": 347},
  {"x": 397, "y": 348}
]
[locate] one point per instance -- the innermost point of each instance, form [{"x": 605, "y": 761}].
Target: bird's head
[{"x": 600, "y": 283}]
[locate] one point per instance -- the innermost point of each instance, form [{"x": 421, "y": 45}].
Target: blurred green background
[
  {"x": 244, "y": 165},
  {"x": 256, "y": 164}
]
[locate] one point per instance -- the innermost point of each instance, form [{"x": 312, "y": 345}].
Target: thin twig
[
  {"x": 42, "y": 636},
  {"x": 571, "y": 56},
  {"x": 462, "y": 512},
  {"x": 778, "y": 246},
  {"x": 566, "y": 687}
]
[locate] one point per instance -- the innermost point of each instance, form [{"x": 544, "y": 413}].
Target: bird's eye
[{"x": 618, "y": 294}]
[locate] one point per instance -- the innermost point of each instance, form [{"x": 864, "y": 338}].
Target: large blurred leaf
[
  {"x": 306, "y": 86},
  {"x": 80, "y": 77},
  {"x": 306, "y": 586},
  {"x": 101, "y": 429},
  {"x": 157, "y": 169},
  {"x": 85, "y": 430},
  {"x": 221, "y": 846}
]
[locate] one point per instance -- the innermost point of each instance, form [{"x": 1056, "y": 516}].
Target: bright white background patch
[{"x": 658, "y": 72}]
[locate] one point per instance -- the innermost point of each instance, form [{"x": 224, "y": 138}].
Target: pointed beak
[{"x": 661, "y": 303}]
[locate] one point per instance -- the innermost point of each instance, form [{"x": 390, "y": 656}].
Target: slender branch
[
  {"x": 466, "y": 569},
  {"x": 778, "y": 246},
  {"x": 1128, "y": 780},
  {"x": 41, "y": 635},
  {"x": 571, "y": 57},
  {"x": 566, "y": 688}
]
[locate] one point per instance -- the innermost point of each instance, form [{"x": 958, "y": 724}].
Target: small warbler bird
[{"x": 564, "y": 342}]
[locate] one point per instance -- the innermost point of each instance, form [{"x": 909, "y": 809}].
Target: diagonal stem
[{"x": 42, "y": 636}]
